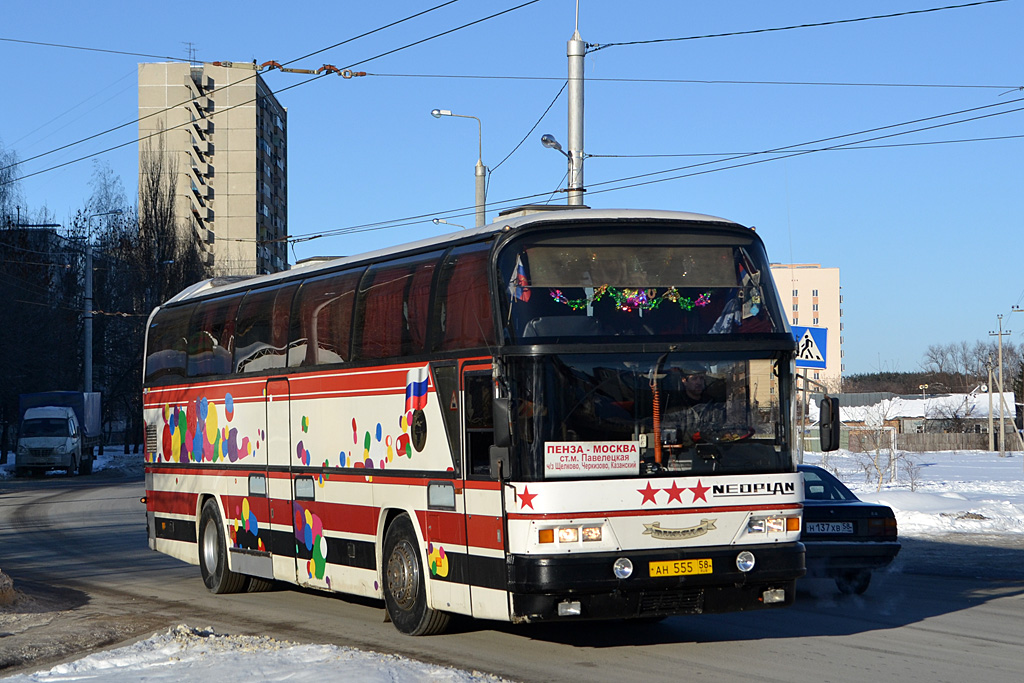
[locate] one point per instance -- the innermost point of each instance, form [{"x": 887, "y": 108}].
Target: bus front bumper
[{"x": 585, "y": 586}]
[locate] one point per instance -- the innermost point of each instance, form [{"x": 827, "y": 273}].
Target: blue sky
[{"x": 925, "y": 235}]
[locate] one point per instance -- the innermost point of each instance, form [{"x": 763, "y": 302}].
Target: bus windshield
[
  {"x": 561, "y": 290},
  {"x": 645, "y": 414}
]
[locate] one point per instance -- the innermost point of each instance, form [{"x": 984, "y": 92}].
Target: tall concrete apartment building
[
  {"x": 811, "y": 297},
  {"x": 225, "y": 135}
]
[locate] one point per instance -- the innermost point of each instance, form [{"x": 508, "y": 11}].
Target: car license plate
[
  {"x": 681, "y": 567},
  {"x": 829, "y": 527}
]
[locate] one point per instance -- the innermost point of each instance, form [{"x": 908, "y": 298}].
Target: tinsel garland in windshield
[{"x": 631, "y": 299}]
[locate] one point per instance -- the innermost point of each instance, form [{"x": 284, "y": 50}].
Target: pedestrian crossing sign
[{"x": 810, "y": 346}]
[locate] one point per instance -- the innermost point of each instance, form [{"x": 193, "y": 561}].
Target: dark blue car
[{"x": 846, "y": 538}]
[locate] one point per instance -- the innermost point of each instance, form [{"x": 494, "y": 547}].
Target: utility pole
[
  {"x": 991, "y": 436},
  {"x": 576, "y": 50},
  {"x": 1002, "y": 425}
]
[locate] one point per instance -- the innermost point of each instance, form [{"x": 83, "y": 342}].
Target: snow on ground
[
  {"x": 952, "y": 491},
  {"x": 187, "y": 654},
  {"x": 966, "y": 492}
]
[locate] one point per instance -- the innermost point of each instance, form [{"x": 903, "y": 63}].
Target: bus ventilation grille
[
  {"x": 689, "y": 601},
  {"x": 151, "y": 439}
]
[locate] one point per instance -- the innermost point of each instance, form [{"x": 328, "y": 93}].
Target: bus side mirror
[
  {"x": 502, "y": 435},
  {"x": 828, "y": 423}
]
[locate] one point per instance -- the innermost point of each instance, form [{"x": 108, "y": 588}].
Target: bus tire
[
  {"x": 404, "y": 589},
  {"x": 213, "y": 553},
  {"x": 258, "y": 585},
  {"x": 72, "y": 470},
  {"x": 85, "y": 467}
]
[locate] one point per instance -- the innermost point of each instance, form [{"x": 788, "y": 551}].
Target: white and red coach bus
[{"x": 581, "y": 414}]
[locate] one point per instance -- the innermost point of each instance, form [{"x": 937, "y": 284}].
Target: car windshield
[
  {"x": 45, "y": 426},
  {"x": 820, "y": 485}
]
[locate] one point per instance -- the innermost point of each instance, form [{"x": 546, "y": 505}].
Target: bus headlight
[
  {"x": 776, "y": 524},
  {"x": 623, "y": 568},
  {"x": 570, "y": 534},
  {"x": 745, "y": 561}
]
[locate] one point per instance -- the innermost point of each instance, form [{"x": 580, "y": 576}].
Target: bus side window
[
  {"x": 322, "y": 320},
  {"x": 462, "y": 314},
  {"x": 167, "y": 347},
  {"x": 212, "y": 337},
  {"x": 392, "y": 307},
  {"x": 479, "y": 416},
  {"x": 261, "y": 332}
]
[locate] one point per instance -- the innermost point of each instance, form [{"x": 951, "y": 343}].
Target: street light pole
[
  {"x": 87, "y": 304},
  {"x": 1002, "y": 425},
  {"x": 575, "y": 51},
  {"x": 480, "y": 172}
]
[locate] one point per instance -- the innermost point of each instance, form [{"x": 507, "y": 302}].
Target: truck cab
[{"x": 50, "y": 437}]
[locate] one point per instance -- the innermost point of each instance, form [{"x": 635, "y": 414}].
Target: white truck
[{"x": 57, "y": 430}]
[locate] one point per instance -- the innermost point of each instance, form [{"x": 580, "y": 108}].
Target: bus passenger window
[
  {"x": 462, "y": 317},
  {"x": 261, "y": 332}
]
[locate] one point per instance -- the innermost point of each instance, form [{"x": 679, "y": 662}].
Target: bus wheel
[
  {"x": 404, "y": 590},
  {"x": 853, "y": 582},
  {"x": 73, "y": 468},
  {"x": 213, "y": 560},
  {"x": 85, "y": 467}
]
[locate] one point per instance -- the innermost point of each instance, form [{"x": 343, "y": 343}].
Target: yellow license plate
[{"x": 681, "y": 567}]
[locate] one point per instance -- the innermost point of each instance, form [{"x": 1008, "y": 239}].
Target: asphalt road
[{"x": 950, "y": 610}]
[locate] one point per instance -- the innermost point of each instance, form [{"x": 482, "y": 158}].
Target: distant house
[{"x": 908, "y": 415}]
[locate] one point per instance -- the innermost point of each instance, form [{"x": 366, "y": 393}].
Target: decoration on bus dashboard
[
  {"x": 191, "y": 433},
  {"x": 309, "y": 531},
  {"x": 519, "y": 285},
  {"x": 631, "y": 299}
]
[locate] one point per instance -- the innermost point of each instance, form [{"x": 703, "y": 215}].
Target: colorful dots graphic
[{"x": 229, "y": 406}]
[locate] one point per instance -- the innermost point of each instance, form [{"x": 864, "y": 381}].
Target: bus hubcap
[{"x": 403, "y": 575}]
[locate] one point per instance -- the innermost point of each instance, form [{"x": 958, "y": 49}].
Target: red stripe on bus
[
  {"x": 170, "y": 502},
  {"x": 485, "y": 531},
  {"x": 654, "y": 511}
]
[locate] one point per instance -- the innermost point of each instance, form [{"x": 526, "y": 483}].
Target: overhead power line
[
  {"x": 310, "y": 80},
  {"x": 87, "y": 49},
  {"x": 594, "y": 47},
  {"x": 214, "y": 91},
  {"x": 785, "y": 152},
  {"x": 821, "y": 149},
  {"x": 702, "y": 81}
]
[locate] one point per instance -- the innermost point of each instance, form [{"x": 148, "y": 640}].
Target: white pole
[{"x": 575, "y": 51}]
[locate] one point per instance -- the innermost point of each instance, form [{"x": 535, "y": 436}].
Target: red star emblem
[
  {"x": 700, "y": 491},
  {"x": 675, "y": 493},
  {"x": 526, "y": 498},
  {"x": 648, "y": 494}
]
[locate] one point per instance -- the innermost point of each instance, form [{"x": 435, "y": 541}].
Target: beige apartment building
[
  {"x": 811, "y": 297},
  {"x": 224, "y": 135}
]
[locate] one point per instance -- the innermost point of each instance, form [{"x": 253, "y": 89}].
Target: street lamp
[
  {"x": 550, "y": 142},
  {"x": 480, "y": 171},
  {"x": 87, "y": 306},
  {"x": 439, "y": 221}
]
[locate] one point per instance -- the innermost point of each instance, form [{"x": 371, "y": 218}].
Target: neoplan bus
[{"x": 581, "y": 414}]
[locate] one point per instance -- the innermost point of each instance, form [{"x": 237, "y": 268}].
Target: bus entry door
[{"x": 485, "y": 518}]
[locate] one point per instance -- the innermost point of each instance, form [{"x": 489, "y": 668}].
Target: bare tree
[{"x": 10, "y": 189}]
